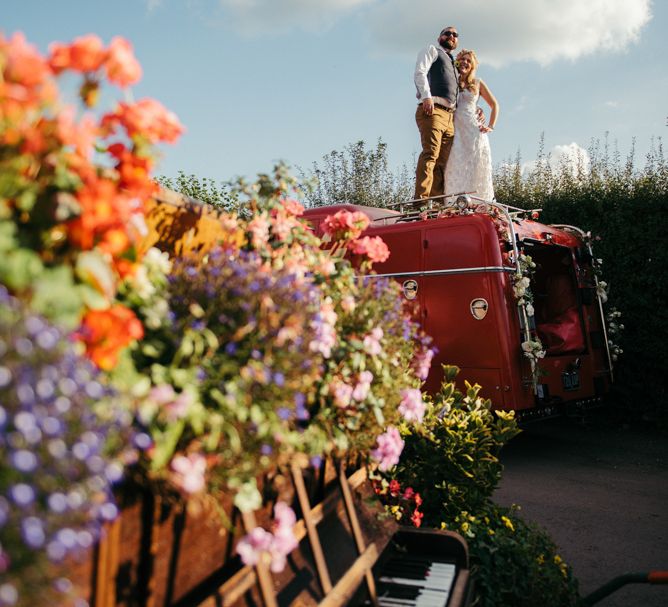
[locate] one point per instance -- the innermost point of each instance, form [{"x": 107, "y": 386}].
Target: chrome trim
[{"x": 441, "y": 272}]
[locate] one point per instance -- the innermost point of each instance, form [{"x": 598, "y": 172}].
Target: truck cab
[{"x": 512, "y": 302}]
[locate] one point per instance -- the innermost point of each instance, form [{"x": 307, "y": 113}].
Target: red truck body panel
[{"x": 447, "y": 263}]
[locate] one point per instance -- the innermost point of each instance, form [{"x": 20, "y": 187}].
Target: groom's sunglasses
[{"x": 452, "y": 34}]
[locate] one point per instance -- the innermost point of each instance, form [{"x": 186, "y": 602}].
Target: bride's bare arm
[{"x": 486, "y": 94}]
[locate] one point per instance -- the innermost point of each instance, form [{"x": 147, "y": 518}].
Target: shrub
[
  {"x": 451, "y": 462},
  {"x": 453, "y": 455},
  {"x": 513, "y": 563}
]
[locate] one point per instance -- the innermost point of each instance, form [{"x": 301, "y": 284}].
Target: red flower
[
  {"x": 121, "y": 65},
  {"x": 416, "y": 518},
  {"x": 395, "y": 488},
  {"x": 418, "y": 500},
  {"x": 409, "y": 493},
  {"x": 106, "y": 332}
]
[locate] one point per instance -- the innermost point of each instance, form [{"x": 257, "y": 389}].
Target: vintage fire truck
[{"x": 513, "y": 302}]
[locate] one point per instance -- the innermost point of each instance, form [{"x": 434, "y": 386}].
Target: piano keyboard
[{"x": 415, "y": 581}]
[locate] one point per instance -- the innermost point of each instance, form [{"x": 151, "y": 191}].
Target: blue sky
[{"x": 255, "y": 81}]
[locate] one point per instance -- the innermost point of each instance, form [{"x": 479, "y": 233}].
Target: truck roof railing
[{"x": 427, "y": 208}]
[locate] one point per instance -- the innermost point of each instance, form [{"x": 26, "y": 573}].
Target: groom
[{"x": 436, "y": 82}]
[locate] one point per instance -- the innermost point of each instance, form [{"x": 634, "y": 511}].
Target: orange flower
[
  {"x": 106, "y": 332},
  {"x": 85, "y": 54},
  {"x": 134, "y": 172},
  {"x": 103, "y": 208},
  {"x": 121, "y": 65},
  {"x": 80, "y": 136},
  {"x": 24, "y": 65}
]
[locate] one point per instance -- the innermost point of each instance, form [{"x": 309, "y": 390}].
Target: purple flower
[{"x": 22, "y": 494}]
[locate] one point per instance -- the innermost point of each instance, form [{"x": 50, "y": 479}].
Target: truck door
[{"x": 462, "y": 273}]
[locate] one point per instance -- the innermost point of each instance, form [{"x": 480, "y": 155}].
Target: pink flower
[
  {"x": 146, "y": 118},
  {"x": 284, "y": 516},
  {"x": 390, "y": 446},
  {"x": 345, "y": 225},
  {"x": 342, "y": 393},
  {"x": 371, "y": 342},
  {"x": 363, "y": 386},
  {"x": 189, "y": 472},
  {"x": 348, "y": 303},
  {"x": 252, "y": 545},
  {"x": 409, "y": 493},
  {"x": 422, "y": 362},
  {"x": 259, "y": 229},
  {"x": 278, "y": 544},
  {"x": 373, "y": 247},
  {"x": 412, "y": 406},
  {"x": 122, "y": 67},
  {"x": 292, "y": 207},
  {"x": 282, "y": 226}
]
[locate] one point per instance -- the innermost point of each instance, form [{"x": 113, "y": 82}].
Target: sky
[{"x": 258, "y": 81}]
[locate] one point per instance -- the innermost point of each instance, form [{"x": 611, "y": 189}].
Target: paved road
[{"x": 601, "y": 491}]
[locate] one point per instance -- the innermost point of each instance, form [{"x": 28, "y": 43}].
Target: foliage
[
  {"x": 65, "y": 439},
  {"x": 267, "y": 346},
  {"x": 451, "y": 460},
  {"x": 204, "y": 189},
  {"x": 357, "y": 176},
  {"x": 514, "y": 563},
  {"x": 69, "y": 227},
  {"x": 624, "y": 206},
  {"x": 72, "y": 187},
  {"x": 452, "y": 457}
]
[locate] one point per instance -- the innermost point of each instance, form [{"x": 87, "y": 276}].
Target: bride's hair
[{"x": 469, "y": 81}]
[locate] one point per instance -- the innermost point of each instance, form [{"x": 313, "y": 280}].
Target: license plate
[{"x": 571, "y": 380}]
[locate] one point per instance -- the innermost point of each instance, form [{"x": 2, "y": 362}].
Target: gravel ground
[{"x": 601, "y": 491}]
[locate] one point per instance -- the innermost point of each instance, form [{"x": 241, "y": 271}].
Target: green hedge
[{"x": 627, "y": 208}]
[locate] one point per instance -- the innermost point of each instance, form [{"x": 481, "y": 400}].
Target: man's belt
[{"x": 444, "y": 107}]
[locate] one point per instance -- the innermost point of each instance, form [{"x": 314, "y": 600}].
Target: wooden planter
[{"x": 161, "y": 554}]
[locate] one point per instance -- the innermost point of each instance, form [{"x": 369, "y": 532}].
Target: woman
[{"x": 469, "y": 167}]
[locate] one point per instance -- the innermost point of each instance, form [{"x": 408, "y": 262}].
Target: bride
[{"x": 469, "y": 167}]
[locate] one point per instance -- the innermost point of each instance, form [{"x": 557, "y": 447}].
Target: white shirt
[{"x": 425, "y": 60}]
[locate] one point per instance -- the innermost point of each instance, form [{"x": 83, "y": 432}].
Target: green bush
[
  {"x": 452, "y": 461},
  {"x": 515, "y": 564},
  {"x": 453, "y": 455}
]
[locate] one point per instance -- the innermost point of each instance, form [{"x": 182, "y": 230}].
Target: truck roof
[{"x": 525, "y": 229}]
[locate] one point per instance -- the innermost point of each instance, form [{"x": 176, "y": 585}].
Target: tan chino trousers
[{"x": 436, "y": 134}]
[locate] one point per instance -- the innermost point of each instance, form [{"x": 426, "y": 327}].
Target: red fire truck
[{"x": 513, "y": 302}]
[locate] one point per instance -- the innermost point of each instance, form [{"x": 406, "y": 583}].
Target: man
[{"x": 436, "y": 82}]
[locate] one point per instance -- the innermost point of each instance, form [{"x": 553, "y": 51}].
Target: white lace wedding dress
[{"x": 469, "y": 167}]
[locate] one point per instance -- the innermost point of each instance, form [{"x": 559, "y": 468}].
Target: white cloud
[
  {"x": 514, "y": 30},
  {"x": 612, "y": 104},
  {"x": 501, "y": 32},
  {"x": 573, "y": 157}
]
